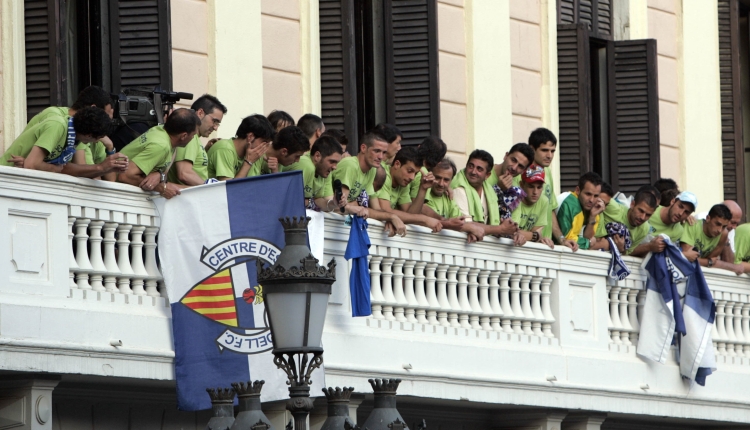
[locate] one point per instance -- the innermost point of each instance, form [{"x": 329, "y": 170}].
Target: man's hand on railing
[
  {"x": 453, "y": 223},
  {"x": 395, "y": 227},
  {"x": 519, "y": 239},
  {"x": 547, "y": 241},
  {"x": 17, "y": 160},
  {"x": 474, "y": 231},
  {"x": 357, "y": 210},
  {"x": 433, "y": 224},
  {"x": 508, "y": 227},
  {"x": 168, "y": 190},
  {"x": 572, "y": 244},
  {"x": 115, "y": 163},
  {"x": 152, "y": 180}
]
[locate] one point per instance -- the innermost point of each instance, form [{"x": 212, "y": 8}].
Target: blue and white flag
[
  {"x": 209, "y": 241},
  {"x": 679, "y": 307}
]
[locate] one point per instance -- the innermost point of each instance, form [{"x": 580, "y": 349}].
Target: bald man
[{"x": 736, "y": 210}]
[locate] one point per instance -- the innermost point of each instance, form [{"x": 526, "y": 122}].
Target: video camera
[{"x": 144, "y": 105}]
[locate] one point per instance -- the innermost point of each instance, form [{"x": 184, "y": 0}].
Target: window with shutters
[
  {"x": 71, "y": 44},
  {"x": 608, "y": 100},
  {"x": 379, "y": 63}
]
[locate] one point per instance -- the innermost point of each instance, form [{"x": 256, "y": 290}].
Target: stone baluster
[
  {"x": 73, "y": 266},
  {"x": 515, "y": 302},
  {"x": 376, "y": 292},
  {"x": 528, "y": 314},
  {"x": 399, "y": 302},
  {"x": 123, "y": 258},
  {"x": 549, "y": 318},
  {"x": 442, "y": 295},
  {"x": 623, "y": 312},
  {"x": 82, "y": 254},
  {"x": 746, "y": 326},
  {"x": 136, "y": 261},
  {"x": 473, "y": 290},
  {"x": 431, "y": 292},
  {"x": 494, "y": 293},
  {"x": 97, "y": 261},
  {"x": 633, "y": 312},
  {"x": 387, "y": 288},
  {"x": 454, "y": 307},
  {"x": 720, "y": 327},
  {"x": 149, "y": 246},
  {"x": 110, "y": 262},
  {"x": 741, "y": 340},
  {"x": 463, "y": 297},
  {"x": 729, "y": 324},
  {"x": 536, "y": 305},
  {"x": 614, "y": 314},
  {"x": 420, "y": 292},
  {"x": 409, "y": 295},
  {"x": 484, "y": 300},
  {"x": 508, "y": 315}
]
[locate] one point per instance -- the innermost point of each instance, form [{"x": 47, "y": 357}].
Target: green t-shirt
[
  {"x": 396, "y": 195},
  {"x": 50, "y": 135},
  {"x": 616, "y": 212},
  {"x": 315, "y": 186},
  {"x": 674, "y": 231},
  {"x": 223, "y": 161},
  {"x": 194, "y": 153},
  {"x": 260, "y": 167},
  {"x": 50, "y": 112},
  {"x": 443, "y": 205},
  {"x": 742, "y": 244},
  {"x": 531, "y": 217},
  {"x": 151, "y": 151},
  {"x": 548, "y": 193},
  {"x": 694, "y": 236},
  {"x": 95, "y": 152},
  {"x": 414, "y": 185},
  {"x": 352, "y": 177}
]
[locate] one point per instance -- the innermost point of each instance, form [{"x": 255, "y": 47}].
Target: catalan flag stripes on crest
[{"x": 214, "y": 299}]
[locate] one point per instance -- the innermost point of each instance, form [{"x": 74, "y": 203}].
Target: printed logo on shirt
[{"x": 527, "y": 222}]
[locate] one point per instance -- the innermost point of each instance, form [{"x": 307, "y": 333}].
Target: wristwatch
[
  {"x": 250, "y": 163},
  {"x": 163, "y": 176},
  {"x": 710, "y": 262}
]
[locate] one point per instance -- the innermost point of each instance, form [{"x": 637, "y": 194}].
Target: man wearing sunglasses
[{"x": 191, "y": 162}]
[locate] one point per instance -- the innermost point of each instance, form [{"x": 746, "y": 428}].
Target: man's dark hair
[
  {"x": 645, "y": 196},
  {"x": 431, "y": 151},
  {"x": 480, "y": 154},
  {"x": 720, "y": 211},
  {"x": 541, "y": 136},
  {"x": 651, "y": 189},
  {"x": 277, "y": 117},
  {"x": 607, "y": 189},
  {"x": 338, "y": 135},
  {"x": 370, "y": 137},
  {"x": 292, "y": 138},
  {"x": 525, "y": 149},
  {"x": 389, "y": 131},
  {"x": 664, "y": 184},
  {"x": 92, "y": 121},
  {"x": 256, "y": 124},
  {"x": 407, "y": 154},
  {"x": 326, "y": 145},
  {"x": 208, "y": 103},
  {"x": 181, "y": 121},
  {"x": 309, "y": 124},
  {"x": 667, "y": 196},
  {"x": 446, "y": 163},
  {"x": 591, "y": 177},
  {"x": 92, "y": 96}
]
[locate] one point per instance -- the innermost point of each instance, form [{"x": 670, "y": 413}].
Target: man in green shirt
[
  {"x": 635, "y": 219},
  {"x": 313, "y": 127},
  {"x": 287, "y": 147},
  {"x": 232, "y": 158},
  {"x": 190, "y": 165},
  {"x": 742, "y": 246},
  {"x": 668, "y": 219},
  {"x": 394, "y": 194},
  {"x": 356, "y": 175},
  {"x": 316, "y": 170},
  {"x": 705, "y": 239},
  {"x": 49, "y": 145},
  {"x": 578, "y": 215},
  {"x": 531, "y": 213},
  {"x": 431, "y": 151},
  {"x": 391, "y": 134},
  {"x": 152, "y": 153}
]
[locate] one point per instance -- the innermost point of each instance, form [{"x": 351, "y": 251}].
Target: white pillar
[{"x": 27, "y": 404}]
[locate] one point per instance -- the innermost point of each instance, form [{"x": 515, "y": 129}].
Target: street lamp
[{"x": 296, "y": 290}]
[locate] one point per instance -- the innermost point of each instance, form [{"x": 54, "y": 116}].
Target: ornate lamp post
[{"x": 296, "y": 290}]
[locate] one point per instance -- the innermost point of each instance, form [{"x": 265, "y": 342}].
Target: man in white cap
[{"x": 668, "y": 219}]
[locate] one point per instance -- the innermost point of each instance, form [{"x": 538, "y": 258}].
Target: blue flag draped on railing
[
  {"x": 357, "y": 250},
  {"x": 209, "y": 240}
]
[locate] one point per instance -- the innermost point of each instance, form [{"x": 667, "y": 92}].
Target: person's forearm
[
  {"x": 418, "y": 202},
  {"x": 426, "y": 210},
  {"x": 599, "y": 243},
  {"x": 244, "y": 170},
  {"x": 723, "y": 265},
  {"x": 529, "y": 235},
  {"x": 82, "y": 170},
  {"x": 327, "y": 204},
  {"x": 727, "y": 254},
  {"x": 111, "y": 176},
  {"x": 189, "y": 177},
  {"x": 130, "y": 179},
  {"x": 641, "y": 250},
  {"x": 496, "y": 230},
  {"x": 556, "y": 231},
  {"x": 589, "y": 231},
  {"x": 43, "y": 166},
  {"x": 379, "y": 215}
]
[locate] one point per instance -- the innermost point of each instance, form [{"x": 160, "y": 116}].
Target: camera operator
[
  {"x": 191, "y": 162},
  {"x": 152, "y": 153}
]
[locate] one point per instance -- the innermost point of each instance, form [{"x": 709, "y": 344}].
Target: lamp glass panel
[
  {"x": 318, "y": 306},
  {"x": 287, "y": 313}
]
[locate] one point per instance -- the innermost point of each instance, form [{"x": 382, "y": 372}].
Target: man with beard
[
  {"x": 668, "y": 220},
  {"x": 635, "y": 219},
  {"x": 705, "y": 240},
  {"x": 316, "y": 169},
  {"x": 578, "y": 215},
  {"x": 356, "y": 175},
  {"x": 394, "y": 196},
  {"x": 233, "y": 158},
  {"x": 191, "y": 162},
  {"x": 514, "y": 163}
]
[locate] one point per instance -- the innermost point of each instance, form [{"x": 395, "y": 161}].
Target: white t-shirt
[{"x": 459, "y": 196}]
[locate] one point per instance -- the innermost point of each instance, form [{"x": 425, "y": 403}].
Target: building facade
[{"x": 529, "y": 338}]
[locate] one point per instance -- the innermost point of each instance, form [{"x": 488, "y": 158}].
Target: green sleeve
[
  {"x": 550, "y": 188},
  {"x": 493, "y": 179},
  {"x": 404, "y": 198},
  {"x": 688, "y": 234},
  {"x": 223, "y": 162},
  {"x": 308, "y": 178},
  {"x": 453, "y": 211},
  {"x": 414, "y": 185},
  {"x": 601, "y": 228},
  {"x": 98, "y": 151},
  {"x": 188, "y": 153},
  {"x": 151, "y": 157},
  {"x": 543, "y": 210},
  {"x": 86, "y": 152},
  {"x": 565, "y": 215},
  {"x": 51, "y": 136},
  {"x": 384, "y": 192}
]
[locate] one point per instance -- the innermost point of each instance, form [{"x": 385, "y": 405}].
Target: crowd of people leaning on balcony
[{"x": 384, "y": 181}]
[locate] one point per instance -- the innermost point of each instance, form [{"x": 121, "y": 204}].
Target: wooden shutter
[
  {"x": 595, "y": 14},
  {"x": 633, "y": 114},
  {"x": 733, "y": 155},
  {"x": 573, "y": 82},
  {"x": 411, "y": 68},
  {"x": 140, "y": 44},
  {"x": 338, "y": 81},
  {"x": 44, "y": 60}
]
